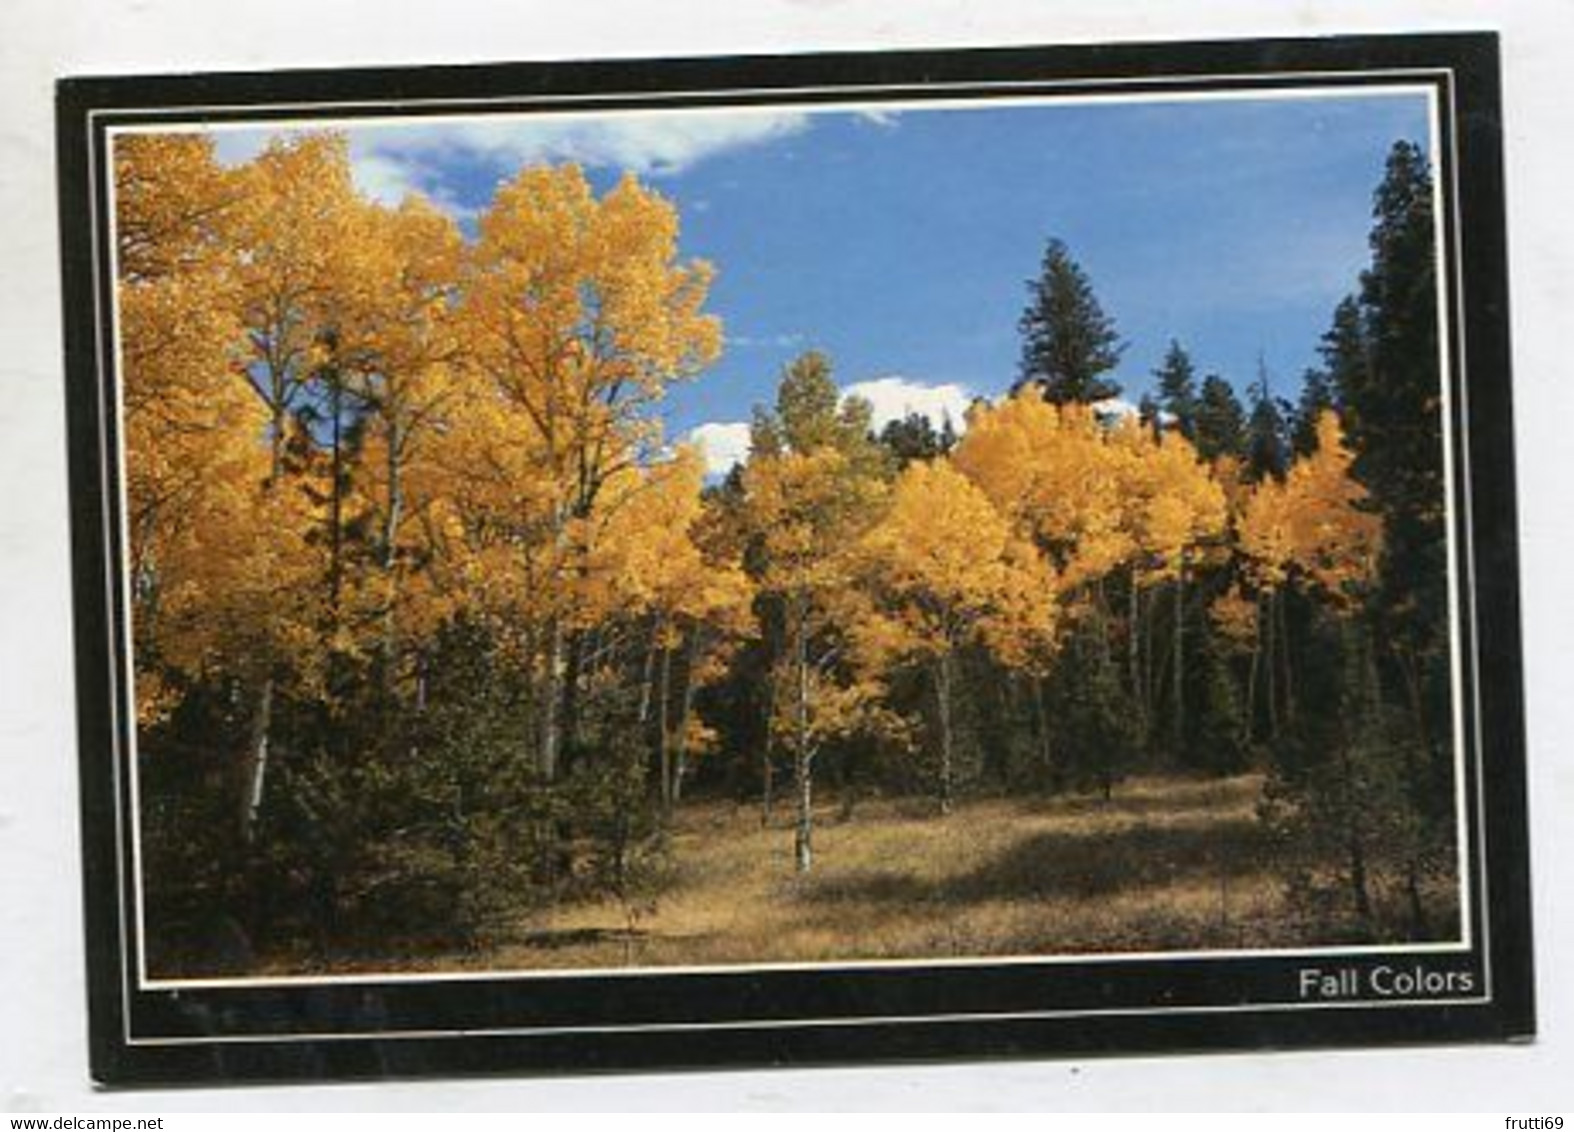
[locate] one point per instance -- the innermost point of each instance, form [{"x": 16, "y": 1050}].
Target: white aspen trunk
[
  {"x": 255, "y": 779},
  {"x": 647, "y": 680},
  {"x": 552, "y": 679},
  {"x": 680, "y": 767}
]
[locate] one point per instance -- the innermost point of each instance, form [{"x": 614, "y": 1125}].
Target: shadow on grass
[
  {"x": 1059, "y": 864},
  {"x": 1171, "y": 796}
]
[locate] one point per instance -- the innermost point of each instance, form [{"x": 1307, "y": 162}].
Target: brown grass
[{"x": 1168, "y": 864}]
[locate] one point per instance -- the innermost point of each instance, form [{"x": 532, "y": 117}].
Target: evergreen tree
[
  {"x": 1177, "y": 389},
  {"x": 1317, "y": 397},
  {"x": 1267, "y": 445},
  {"x": 1344, "y": 351},
  {"x": 1149, "y": 415},
  {"x": 914, "y": 437},
  {"x": 1393, "y": 404},
  {"x": 1220, "y": 420},
  {"x": 1068, "y": 342}
]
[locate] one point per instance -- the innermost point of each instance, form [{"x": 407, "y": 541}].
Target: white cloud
[
  {"x": 647, "y": 142},
  {"x": 895, "y": 397},
  {"x": 391, "y": 159},
  {"x": 1115, "y": 408},
  {"x": 385, "y": 180},
  {"x": 384, "y": 177},
  {"x": 723, "y": 443}
]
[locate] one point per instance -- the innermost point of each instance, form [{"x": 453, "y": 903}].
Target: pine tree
[
  {"x": 1267, "y": 445},
  {"x": 1220, "y": 420},
  {"x": 1393, "y": 402},
  {"x": 914, "y": 437},
  {"x": 1344, "y": 350},
  {"x": 1068, "y": 342},
  {"x": 1177, "y": 389},
  {"x": 1317, "y": 397},
  {"x": 1393, "y": 405}
]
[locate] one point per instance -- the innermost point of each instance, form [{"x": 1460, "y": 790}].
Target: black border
[{"x": 815, "y": 1015}]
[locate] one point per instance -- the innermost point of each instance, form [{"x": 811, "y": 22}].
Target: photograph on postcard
[{"x": 857, "y": 527}]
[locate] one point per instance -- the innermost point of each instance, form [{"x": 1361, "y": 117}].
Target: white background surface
[{"x": 43, "y": 1059}]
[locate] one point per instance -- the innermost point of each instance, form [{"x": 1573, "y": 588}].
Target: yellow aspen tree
[
  {"x": 187, "y": 423},
  {"x": 1176, "y": 509},
  {"x": 1313, "y": 531},
  {"x": 289, "y": 236},
  {"x": 397, "y": 354},
  {"x": 944, "y": 568},
  {"x": 807, "y": 511},
  {"x": 579, "y": 314},
  {"x": 216, "y": 555},
  {"x": 649, "y": 562},
  {"x": 1334, "y": 535},
  {"x": 291, "y": 232}
]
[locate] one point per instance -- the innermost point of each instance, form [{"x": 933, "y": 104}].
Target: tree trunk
[
  {"x": 1249, "y": 717},
  {"x": 276, "y": 439},
  {"x": 574, "y": 649},
  {"x": 256, "y": 765},
  {"x": 552, "y": 679},
  {"x": 390, "y": 545},
  {"x": 1416, "y": 784},
  {"x": 1179, "y": 674},
  {"x": 647, "y": 679},
  {"x": 1286, "y": 661},
  {"x": 1355, "y": 848},
  {"x": 942, "y": 678},
  {"x": 1041, "y": 720},
  {"x": 336, "y": 509},
  {"x": 767, "y": 770},
  {"x": 663, "y": 725},
  {"x": 803, "y": 849},
  {"x": 1266, "y": 620},
  {"x": 680, "y": 768},
  {"x": 1139, "y": 691},
  {"x": 803, "y": 835}
]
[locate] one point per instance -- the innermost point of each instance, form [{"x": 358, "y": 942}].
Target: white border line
[
  {"x": 1253, "y": 87},
  {"x": 814, "y": 1023},
  {"x": 1461, "y": 783}
]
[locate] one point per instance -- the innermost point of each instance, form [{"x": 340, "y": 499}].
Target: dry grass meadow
[{"x": 1167, "y": 864}]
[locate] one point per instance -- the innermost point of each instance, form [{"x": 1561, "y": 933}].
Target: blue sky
[{"x": 900, "y": 240}]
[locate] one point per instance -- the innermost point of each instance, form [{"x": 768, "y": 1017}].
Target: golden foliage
[
  {"x": 945, "y": 567},
  {"x": 1316, "y": 525}
]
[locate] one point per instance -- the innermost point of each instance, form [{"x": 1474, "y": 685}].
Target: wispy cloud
[
  {"x": 650, "y": 143},
  {"x": 765, "y": 341}
]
